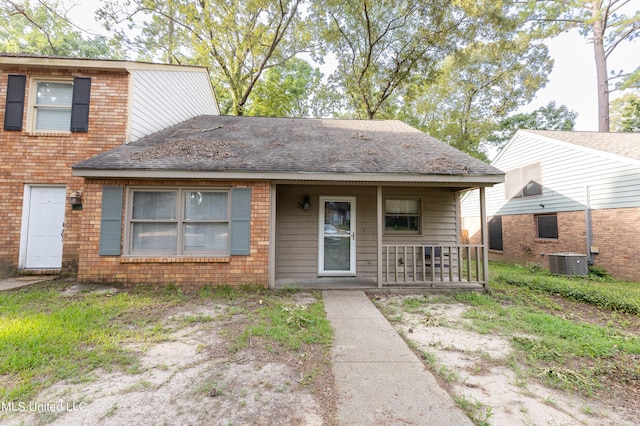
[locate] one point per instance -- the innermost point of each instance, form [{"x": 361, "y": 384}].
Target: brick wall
[
  {"x": 188, "y": 273},
  {"x": 613, "y": 232},
  {"x": 46, "y": 159}
]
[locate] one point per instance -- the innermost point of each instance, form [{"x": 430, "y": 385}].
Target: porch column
[
  {"x": 272, "y": 237},
  {"x": 484, "y": 239},
  {"x": 379, "y": 219}
]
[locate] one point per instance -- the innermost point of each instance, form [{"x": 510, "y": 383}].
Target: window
[
  {"x": 523, "y": 182},
  {"x": 189, "y": 222},
  {"x": 495, "y": 233},
  {"x": 402, "y": 215},
  {"x": 52, "y": 106},
  {"x": 547, "y": 226}
]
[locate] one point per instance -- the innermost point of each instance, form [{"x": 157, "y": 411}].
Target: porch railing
[{"x": 433, "y": 264}]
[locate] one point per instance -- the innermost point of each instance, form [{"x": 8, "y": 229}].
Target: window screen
[{"x": 495, "y": 233}]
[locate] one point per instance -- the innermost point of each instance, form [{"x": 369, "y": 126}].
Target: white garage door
[{"x": 45, "y": 228}]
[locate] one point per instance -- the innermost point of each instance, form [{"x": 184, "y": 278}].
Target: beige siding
[{"x": 297, "y": 229}]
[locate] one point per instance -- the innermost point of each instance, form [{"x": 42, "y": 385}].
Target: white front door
[
  {"x": 337, "y": 236},
  {"x": 44, "y": 227}
]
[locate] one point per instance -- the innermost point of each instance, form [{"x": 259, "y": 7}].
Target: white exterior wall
[
  {"x": 163, "y": 98},
  {"x": 566, "y": 171}
]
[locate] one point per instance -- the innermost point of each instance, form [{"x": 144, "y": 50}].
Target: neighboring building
[
  {"x": 565, "y": 192},
  {"x": 279, "y": 202},
  {"x": 58, "y": 111}
]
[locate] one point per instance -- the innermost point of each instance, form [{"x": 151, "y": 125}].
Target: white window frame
[
  {"x": 179, "y": 220},
  {"x": 402, "y": 232},
  {"x": 32, "y": 116}
]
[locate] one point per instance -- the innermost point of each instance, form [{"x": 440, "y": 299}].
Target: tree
[
  {"x": 237, "y": 39},
  {"x": 625, "y": 113},
  {"x": 475, "y": 87},
  {"x": 44, "y": 29},
  {"x": 605, "y": 24},
  {"x": 286, "y": 91},
  {"x": 380, "y": 44},
  {"x": 549, "y": 117}
]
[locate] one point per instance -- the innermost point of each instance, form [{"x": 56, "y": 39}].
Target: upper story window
[
  {"x": 52, "y": 106},
  {"x": 523, "y": 182},
  {"x": 402, "y": 215}
]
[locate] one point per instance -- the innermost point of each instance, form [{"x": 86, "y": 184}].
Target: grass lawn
[
  {"x": 46, "y": 337},
  {"x": 578, "y": 334}
]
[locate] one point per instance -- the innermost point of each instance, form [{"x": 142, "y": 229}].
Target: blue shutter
[
  {"x": 14, "y": 108},
  {"x": 111, "y": 221},
  {"x": 80, "y": 104},
  {"x": 240, "y": 221}
]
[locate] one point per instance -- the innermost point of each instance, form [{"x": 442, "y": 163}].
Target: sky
[{"x": 572, "y": 81}]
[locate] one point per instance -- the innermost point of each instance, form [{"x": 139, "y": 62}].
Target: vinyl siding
[
  {"x": 566, "y": 171},
  {"x": 161, "y": 99},
  {"x": 297, "y": 229}
]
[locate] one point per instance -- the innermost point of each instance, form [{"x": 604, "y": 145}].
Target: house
[
  {"x": 565, "y": 192},
  {"x": 280, "y": 202},
  {"x": 58, "y": 111}
]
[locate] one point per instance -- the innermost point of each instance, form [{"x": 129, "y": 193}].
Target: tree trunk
[{"x": 601, "y": 67}]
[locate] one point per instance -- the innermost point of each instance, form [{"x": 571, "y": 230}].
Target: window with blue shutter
[
  {"x": 14, "y": 108},
  {"x": 111, "y": 221}
]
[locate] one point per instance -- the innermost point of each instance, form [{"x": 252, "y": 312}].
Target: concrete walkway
[
  {"x": 17, "y": 282},
  {"x": 379, "y": 380}
]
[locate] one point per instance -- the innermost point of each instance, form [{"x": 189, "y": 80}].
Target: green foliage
[
  {"x": 619, "y": 296},
  {"x": 289, "y": 325},
  {"x": 549, "y": 117},
  {"x": 45, "y": 337},
  {"x": 238, "y": 40},
  {"x": 476, "y": 84},
  {"x": 625, "y": 113},
  {"x": 286, "y": 90},
  {"x": 42, "y": 29}
]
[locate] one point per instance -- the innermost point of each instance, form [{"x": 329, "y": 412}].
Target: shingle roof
[
  {"x": 259, "y": 144},
  {"x": 625, "y": 144}
]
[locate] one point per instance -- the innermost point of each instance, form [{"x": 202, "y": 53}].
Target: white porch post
[
  {"x": 379, "y": 219},
  {"x": 272, "y": 236},
  {"x": 485, "y": 239}
]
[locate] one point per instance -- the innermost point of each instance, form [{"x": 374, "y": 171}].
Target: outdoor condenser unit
[{"x": 568, "y": 264}]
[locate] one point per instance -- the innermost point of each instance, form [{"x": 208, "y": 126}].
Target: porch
[{"x": 329, "y": 236}]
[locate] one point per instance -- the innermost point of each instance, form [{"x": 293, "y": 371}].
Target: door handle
[{"x": 353, "y": 235}]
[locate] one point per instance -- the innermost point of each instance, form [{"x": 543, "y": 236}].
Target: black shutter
[
  {"x": 111, "y": 221},
  {"x": 80, "y": 104},
  {"x": 14, "y": 108}
]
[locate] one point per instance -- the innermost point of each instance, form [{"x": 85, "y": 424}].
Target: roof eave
[{"x": 488, "y": 179}]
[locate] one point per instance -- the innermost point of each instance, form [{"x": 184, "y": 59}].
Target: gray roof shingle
[
  {"x": 624, "y": 144},
  {"x": 260, "y": 144}
]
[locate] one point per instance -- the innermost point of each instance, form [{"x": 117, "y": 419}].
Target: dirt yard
[
  {"x": 196, "y": 376},
  {"x": 476, "y": 369}
]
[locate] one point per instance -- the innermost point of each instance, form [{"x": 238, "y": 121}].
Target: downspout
[{"x": 588, "y": 225}]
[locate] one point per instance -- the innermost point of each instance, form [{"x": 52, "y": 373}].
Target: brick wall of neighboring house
[
  {"x": 614, "y": 233},
  {"x": 46, "y": 158},
  {"x": 188, "y": 273}
]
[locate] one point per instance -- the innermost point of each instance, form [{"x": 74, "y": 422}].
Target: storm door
[{"x": 337, "y": 236}]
